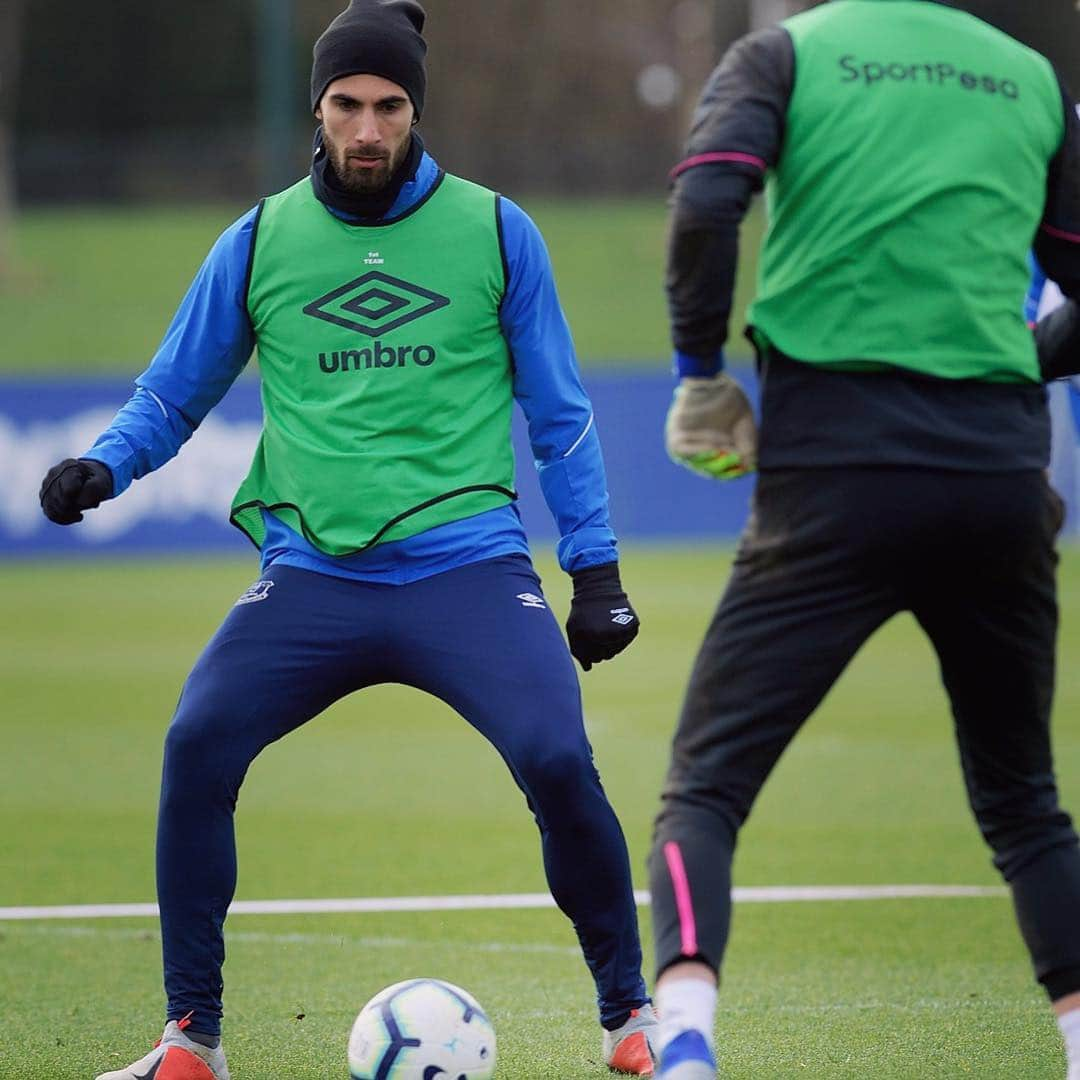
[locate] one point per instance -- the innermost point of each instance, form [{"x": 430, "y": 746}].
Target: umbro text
[{"x": 378, "y": 356}]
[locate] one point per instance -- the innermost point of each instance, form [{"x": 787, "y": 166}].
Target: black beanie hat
[{"x": 373, "y": 37}]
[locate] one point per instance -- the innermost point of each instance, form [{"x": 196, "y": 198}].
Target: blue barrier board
[{"x": 184, "y": 505}]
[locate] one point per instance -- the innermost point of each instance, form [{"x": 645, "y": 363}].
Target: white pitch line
[
  {"x": 786, "y": 894},
  {"x": 337, "y": 941},
  {"x": 510, "y": 901}
]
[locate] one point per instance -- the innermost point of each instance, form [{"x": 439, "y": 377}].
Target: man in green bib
[
  {"x": 398, "y": 313},
  {"x": 912, "y": 155}
]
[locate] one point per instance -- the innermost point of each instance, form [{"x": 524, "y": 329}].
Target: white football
[{"x": 422, "y": 1029}]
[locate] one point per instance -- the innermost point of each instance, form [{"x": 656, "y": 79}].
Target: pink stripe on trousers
[{"x": 683, "y": 903}]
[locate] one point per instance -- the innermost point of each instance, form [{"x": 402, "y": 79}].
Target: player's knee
[
  {"x": 202, "y": 764},
  {"x": 560, "y": 779},
  {"x": 1023, "y": 834},
  {"x": 188, "y": 742},
  {"x": 198, "y": 726},
  {"x": 682, "y": 812}
]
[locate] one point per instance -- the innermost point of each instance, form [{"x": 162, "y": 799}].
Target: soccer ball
[{"x": 422, "y": 1029}]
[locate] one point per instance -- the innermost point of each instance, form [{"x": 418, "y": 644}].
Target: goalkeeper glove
[
  {"x": 73, "y": 486},
  {"x": 710, "y": 427},
  {"x": 602, "y": 622}
]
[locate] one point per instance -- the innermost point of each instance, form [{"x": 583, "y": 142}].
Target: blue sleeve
[
  {"x": 1035, "y": 291},
  {"x": 206, "y": 346},
  {"x": 547, "y": 386}
]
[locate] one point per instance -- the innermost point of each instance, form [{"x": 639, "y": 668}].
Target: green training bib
[
  {"x": 909, "y": 189},
  {"x": 386, "y": 379}
]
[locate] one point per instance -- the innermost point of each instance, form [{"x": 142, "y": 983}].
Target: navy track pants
[{"x": 292, "y": 648}]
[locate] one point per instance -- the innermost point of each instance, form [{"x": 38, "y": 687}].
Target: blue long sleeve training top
[{"x": 211, "y": 339}]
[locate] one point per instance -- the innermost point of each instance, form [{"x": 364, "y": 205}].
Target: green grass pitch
[
  {"x": 107, "y": 310},
  {"x": 92, "y": 656}
]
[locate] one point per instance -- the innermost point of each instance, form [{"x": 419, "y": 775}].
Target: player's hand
[
  {"x": 73, "y": 486},
  {"x": 602, "y": 622},
  {"x": 710, "y": 427}
]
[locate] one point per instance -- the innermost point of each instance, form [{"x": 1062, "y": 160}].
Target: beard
[{"x": 364, "y": 181}]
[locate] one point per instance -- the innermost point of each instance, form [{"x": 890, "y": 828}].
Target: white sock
[
  {"x": 1070, "y": 1031},
  {"x": 684, "y": 1005}
]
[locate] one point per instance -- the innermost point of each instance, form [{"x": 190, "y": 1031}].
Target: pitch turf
[
  {"x": 108, "y": 309},
  {"x": 390, "y": 794}
]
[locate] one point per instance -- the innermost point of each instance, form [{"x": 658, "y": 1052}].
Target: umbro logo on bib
[{"x": 375, "y": 304}]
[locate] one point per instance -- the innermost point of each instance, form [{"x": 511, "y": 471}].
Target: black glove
[
  {"x": 602, "y": 622},
  {"x": 74, "y": 486}
]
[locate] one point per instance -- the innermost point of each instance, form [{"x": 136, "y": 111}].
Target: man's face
[{"x": 366, "y": 123}]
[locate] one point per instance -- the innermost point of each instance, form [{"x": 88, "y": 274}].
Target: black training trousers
[{"x": 827, "y": 557}]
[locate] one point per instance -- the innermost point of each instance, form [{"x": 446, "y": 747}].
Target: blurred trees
[
  {"x": 11, "y": 21},
  {"x": 556, "y": 96},
  {"x": 130, "y": 99}
]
